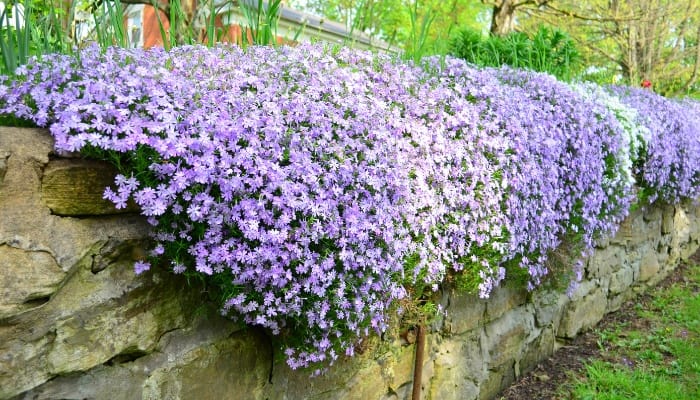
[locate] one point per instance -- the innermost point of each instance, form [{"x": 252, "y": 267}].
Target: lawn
[
  {"x": 656, "y": 357},
  {"x": 650, "y": 349}
]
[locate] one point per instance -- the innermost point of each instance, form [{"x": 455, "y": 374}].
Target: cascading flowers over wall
[{"x": 317, "y": 187}]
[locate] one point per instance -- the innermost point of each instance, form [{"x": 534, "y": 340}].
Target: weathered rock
[
  {"x": 583, "y": 314},
  {"x": 76, "y": 188},
  {"x": 503, "y": 299},
  {"x": 681, "y": 226},
  {"x": 22, "y": 361},
  {"x": 649, "y": 266},
  {"x": 539, "y": 349},
  {"x": 667, "y": 225},
  {"x": 27, "y": 279},
  {"x": 584, "y": 288},
  {"x": 548, "y": 306},
  {"x": 635, "y": 228},
  {"x": 621, "y": 280},
  {"x": 505, "y": 338},
  {"x": 396, "y": 366},
  {"x": 694, "y": 216},
  {"x": 688, "y": 250},
  {"x": 464, "y": 312},
  {"x": 382, "y": 372},
  {"x": 27, "y": 224},
  {"x": 680, "y": 236},
  {"x": 497, "y": 379},
  {"x": 358, "y": 378},
  {"x": 241, "y": 364},
  {"x": 652, "y": 214},
  {"x": 454, "y": 386},
  {"x": 91, "y": 319},
  {"x": 102, "y": 382},
  {"x": 616, "y": 301},
  {"x": 213, "y": 349},
  {"x": 4, "y": 155},
  {"x": 28, "y": 152},
  {"x": 604, "y": 261},
  {"x": 459, "y": 366}
]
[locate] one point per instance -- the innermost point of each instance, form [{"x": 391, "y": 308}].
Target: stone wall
[{"x": 76, "y": 323}]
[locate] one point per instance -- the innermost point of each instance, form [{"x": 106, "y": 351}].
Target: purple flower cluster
[
  {"x": 670, "y": 170},
  {"x": 565, "y": 174},
  {"x": 302, "y": 178},
  {"x": 319, "y": 186}
]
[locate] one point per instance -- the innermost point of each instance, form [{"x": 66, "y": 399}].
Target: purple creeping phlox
[
  {"x": 318, "y": 186},
  {"x": 670, "y": 170},
  {"x": 563, "y": 165},
  {"x": 304, "y": 178}
]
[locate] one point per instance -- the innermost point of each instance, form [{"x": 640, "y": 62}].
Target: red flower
[{"x": 646, "y": 83}]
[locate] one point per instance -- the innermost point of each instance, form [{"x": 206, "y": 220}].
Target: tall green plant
[
  {"x": 14, "y": 41},
  {"x": 109, "y": 25},
  {"x": 39, "y": 33},
  {"x": 548, "y": 50},
  {"x": 261, "y": 22},
  {"x": 164, "y": 34},
  {"x": 211, "y": 24},
  {"x": 418, "y": 35},
  {"x": 180, "y": 32}
]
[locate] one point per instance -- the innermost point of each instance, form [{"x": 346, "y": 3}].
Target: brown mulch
[{"x": 545, "y": 381}]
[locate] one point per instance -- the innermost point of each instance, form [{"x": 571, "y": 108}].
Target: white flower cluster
[{"x": 635, "y": 136}]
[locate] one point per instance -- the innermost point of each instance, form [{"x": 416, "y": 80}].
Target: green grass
[{"x": 656, "y": 359}]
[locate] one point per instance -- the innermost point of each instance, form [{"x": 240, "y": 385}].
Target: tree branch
[{"x": 576, "y": 15}]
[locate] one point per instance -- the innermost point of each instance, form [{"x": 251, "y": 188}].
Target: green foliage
[
  {"x": 612, "y": 382},
  {"x": 418, "y": 35},
  {"x": 262, "y": 20},
  {"x": 14, "y": 42},
  {"x": 180, "y": 32},
  {"x": 41, "y": 33},
  {"x": 403, "y": 23},
  {"x": 548, "y": 50},
  {"x": 628, "y": 41},
  {"x": 600, "y": 76},
  {"x": 109, "y": 26},
  {"x": 211, "y": 25}
]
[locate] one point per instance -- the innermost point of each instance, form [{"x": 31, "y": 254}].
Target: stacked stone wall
[{"x": 76, "y": 323}]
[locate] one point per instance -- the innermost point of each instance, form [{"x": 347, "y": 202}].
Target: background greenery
[
  {"x": 619, "y": 41},
  {"x": 608, "y": 42}
]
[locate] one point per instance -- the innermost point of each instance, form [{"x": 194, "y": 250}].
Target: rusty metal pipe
[{"x": 418, "y": 367}]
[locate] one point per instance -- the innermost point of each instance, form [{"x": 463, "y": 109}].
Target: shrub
[{"x": 548, "y": 50}]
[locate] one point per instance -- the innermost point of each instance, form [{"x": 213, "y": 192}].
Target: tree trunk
[{"x": 503, "y": 18}]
